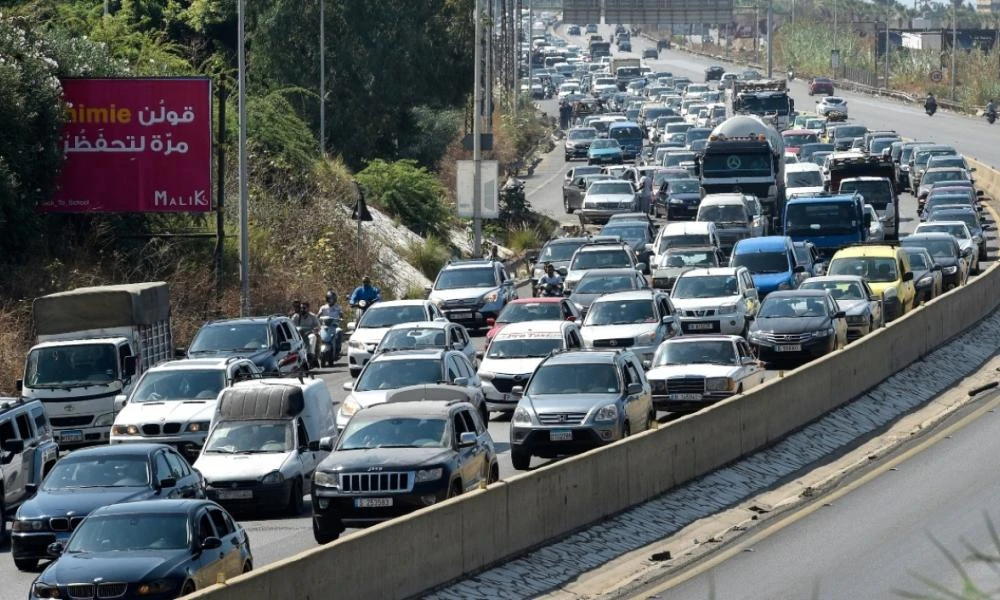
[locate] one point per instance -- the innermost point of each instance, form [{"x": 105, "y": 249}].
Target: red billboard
[{"x": 136, "y": 145}]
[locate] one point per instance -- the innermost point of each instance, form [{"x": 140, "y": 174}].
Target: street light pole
[
  {"x": 322, "y": 77},
  {"x": 244, "y": 195},
  {"x": 477, "y": 119},
  {"x": 954, "y": 44}
]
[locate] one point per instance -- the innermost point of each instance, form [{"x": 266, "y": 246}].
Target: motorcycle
[
  {"x": 549, "y": 290},
  {"x": 329, "y": 336},
  {"x": 791, "y": 74},
  {"x": 930, "y": 109},
  {"x": 310, "y": 339},
  {"x": 991, "y": 117},
  {"x": 360, "y": 308}
]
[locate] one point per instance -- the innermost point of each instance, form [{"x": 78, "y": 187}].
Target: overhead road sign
[
  {"x": 581, "y": 11},
  {"x": 667, "y": 11}
]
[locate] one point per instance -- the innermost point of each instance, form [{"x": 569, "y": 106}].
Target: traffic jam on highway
[{"x": 721, "y": 233}]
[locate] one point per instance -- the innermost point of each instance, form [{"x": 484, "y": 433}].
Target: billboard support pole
[
  {"x": 770, "y": 39},
  {"x": 244, "y": 193},
  {"x": 220, "y": 196}
]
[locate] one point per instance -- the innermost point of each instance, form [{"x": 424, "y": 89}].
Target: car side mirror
[
  {"x": 180, "y": 352},
  {"x": 461, "y": 381},
  {"x": 491, "y": 321},
  {"x": 284, "y": 347},
  {"x": 647, "y": 364},
  {"x": 427, "y": 290},
  {"x": 167, "y": 483},
  {"x": 210, "y": 543},
  {"x": 979, "y": 192},
  {"x": 799, "y": 269},
  {"x": 667, "y": 319},
  {"x": 936, "y": 268},
  {"x": 908, "y": 276},
  {"x": 480, "y": 354},
  {"x": 517, "y": 391},
  {"x": 120, "y": 401},
  {"x": 642, "y": 267},
  {"x": 351, "y": 326},
  {"x": 55, "y": 549},
  {"x": 457, "y": 345},
  {"x": 839, "y": 314},
  {"x": 562, "y": 271},
  {"x": 313, "y": 445},
  {"x": 567, "y": 293},
  {"x": 348, "y": 386},
  {"x": 467, "y": 439},
  {"x": 129, "y": 366},
  {"x": 633, "y": 389},
  {"x": 326, "y": 443}
]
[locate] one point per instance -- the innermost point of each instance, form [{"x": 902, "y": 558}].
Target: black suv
[
  {"x": 397, "y": 457},
  {"x": 27, "y": 453},
  {"x": 272, "y": 343}
]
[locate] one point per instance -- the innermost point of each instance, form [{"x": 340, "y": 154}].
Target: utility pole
[
  {"x": 756, "y": 32},
  {"x": 106, "y": 8},
  {"x": 517, "y": 56},
  {"x": 477, "y": 119},
  {"x": 887, "y": 50},
  {"x": 244, "y": 194},
  {"x": 322, "y": 77},
  {"x": 770, "y": 39},
  {"x": 488, "y": 80},
  {"x": 954, "y": 44}
]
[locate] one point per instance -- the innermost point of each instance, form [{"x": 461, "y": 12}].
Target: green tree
[{"x": 408, "y": 191}]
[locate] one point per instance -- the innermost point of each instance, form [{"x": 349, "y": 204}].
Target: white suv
[
  {"x": 720, "y": 300},
  {"x": 173, "y": 402}
]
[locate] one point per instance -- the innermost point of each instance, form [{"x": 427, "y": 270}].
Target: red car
[
  {"x": 795, "y": 138},
  {"x": 821, "y": 85},
  {"x": 532, "y": 309}
]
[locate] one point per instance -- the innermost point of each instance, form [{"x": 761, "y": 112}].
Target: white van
[
  {"x": 802, "y": 179},
  {"x": 681, "y": 234},
  {"x": 732, "y": 217},
  {"x": 263, "y": 444}
]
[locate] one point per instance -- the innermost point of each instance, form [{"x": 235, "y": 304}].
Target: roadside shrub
[
  {"x": 406, "y": 190},
  {"x": 524, "y": 239},
  {"x": 428, "y": 257}
]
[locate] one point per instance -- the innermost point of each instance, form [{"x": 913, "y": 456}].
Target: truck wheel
[
  {"x": 26, "y": 564},
  {"x": 520, "y": 458},
  {"x": 322, "y": 534}
]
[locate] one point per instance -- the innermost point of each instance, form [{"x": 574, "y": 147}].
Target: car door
[
  {"x": 638, "y": 406},
  {"x": 874, "y": 304},
  {"x": 750, "y": 293},
  {"x": 753, "y": 374},
  {"x": 161, "y": 472},
  {"x": 839, "y": 323},
  {"x": 305, "y": 456},
  {"x": 26, "y": 429},
  {"x": 225, "y": 529},
  {"x": 14, "y": 473},
  {"x": 208, "y": 564},
  {"x": 469, "y": 467},
  {"x": 188, "y": 482}
]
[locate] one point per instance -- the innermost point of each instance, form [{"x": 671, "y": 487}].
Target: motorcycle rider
[
  {"x": 930, "y": 103},
  {"x": 365, "y": 292},
  {"x": 331, "y": 308},
  {"x": 550, "y": 278},
  {"x": 990, "y": 110},
  {"x": 296, "y": 308},
  {"x": 304, "y": 319}
]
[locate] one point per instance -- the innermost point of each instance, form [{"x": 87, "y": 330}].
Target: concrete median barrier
[{"x": 409, "y": 555}]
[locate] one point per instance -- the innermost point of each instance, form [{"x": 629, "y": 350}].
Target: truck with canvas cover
[
  {"x": 765, "y": 98},
  {"x": 92, "y": 344},
  {"x": 872, "y": 176},
  {"x": 745, "y": 155}
]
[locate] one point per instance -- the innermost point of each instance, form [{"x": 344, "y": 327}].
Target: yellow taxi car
[{"x": 886, "y": 267}]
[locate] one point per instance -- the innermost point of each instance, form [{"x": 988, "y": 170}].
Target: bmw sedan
[{"x": 151, "y": 550}]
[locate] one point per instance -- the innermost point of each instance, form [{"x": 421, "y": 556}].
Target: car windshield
[
  {"x": 626, "y": 232},
  {"x": 573, "y": 379},
  {"x": 815, "y": 124},
  {"x": 620, "y": 312},
  {"x": 956, "y": 229},
  {"x": 710, "y": 286},
  {"x": 877, "y": 193},
  {"x": 228, "y": 337},
  {"x": 72, "y": 365},
  {"x": 387, "y": 316},
  {"x": 558, "y": 252},
  {"x": 603, "y": 142},
  {"x": 849, "y": 132},
  {"x": 935, "y": 200},
  {"x": 723, "y": 213},
  {"x": 172, "y": 385},
  {"x": 935, "y": 176},
  {"x": 675, "y": 158},
  {"x": 607, "y": 259},
  {"x": 710, "y": 352},
  {"x": 582, "y": 134},
  {"x": 129, "y": 533},
  {"x": 791, "y": 306},
  {"x": 761, "y": 262},
  {"x": 840, "y": 290},
  {"x": 820, "y": 218},
  {"x": 517, "y": 312},
  {"x": 451, "y": 279},
  {"x": 529, "y": 346},
  {"x": 746, "y": 165},
  {"x": 879, "y": 144},
  {"x": 688, "y": 259},
  {"x": 414, "y": 337},
  {"x": 395, "y": 374},
  {"x": 796, "y": 179},
  {"x": 625, "y": 133},
  {"x": 250, "y": 437},
  {"x": 966, "y": 216},
  {"x": 797, "y": 139},
  {"x": 874, "y": 269},
  {"x": 395, "y": 432},
  {"x": 690, "y": 239},
  {"x": 946, "y": 161},
  {"x": 598, "y": 283},
  {"x": 684, "y": 186},
  {"x": 922, "y": 156},
  {"x": 611, "y": 187},
  {"x": 97, "y": 472},
  {"x": 936, "y": 248}
]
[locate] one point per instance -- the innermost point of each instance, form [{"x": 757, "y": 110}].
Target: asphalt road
[
  {"x": 277, "y": 538},
  {"x": 879, "y": 539}
]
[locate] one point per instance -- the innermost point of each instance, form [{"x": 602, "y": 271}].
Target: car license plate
[
  {"x": 235, "y": 494},
  {"x": 372, "y": 502},
  {"x": 684, "y": 397},
  {"x": 561, "y": 435},
  {"x": 71, "y": 435},
  {"x": 700, "y": 326},
  {"x": 789, "y": 348},
  {"x": 461, "y": 315}
]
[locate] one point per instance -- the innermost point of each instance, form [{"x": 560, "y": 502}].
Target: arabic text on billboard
[{"x": 136, "y": 145}]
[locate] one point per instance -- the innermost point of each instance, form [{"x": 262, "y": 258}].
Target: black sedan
[
  {"x": 91, "y": 478},
  {"x": 798, "y": 324},
  {"x": 154, "y": 550},
  {"x": 678, "y": 199},
  {"x": 714, "y": 73}
]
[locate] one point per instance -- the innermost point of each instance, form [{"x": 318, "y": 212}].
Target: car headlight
[
  {"x": 570, "y": 145},
  {"x": 198, "y": 426},
  {"x": 125, "y": 429},
  {"x": 272, "y": 478},
  {"x": 428, "y": 475},
  {"x": 645, "y": 338},
  {"x": 718, "y": 384},
  {"x": 727, "y": 309},
  {"x": 349, "y": 407},
  {"x": 676, "y": 201},
  {"x": 160, "y": 586},
  {"x": 784, "y": 285},
  {"x": 104, "y": 420},
  {"x": 521, "y": 415},
  {"x": 925, "y": 281},
  {"x": 607, "y": 413},
  {"x": 491, "y": 297},
  {"x": 356, "y": 345},
  {"x": 27, "y": 525},
  {"x": 857, "y": 320},
  {"x": 950, "y": 270},
  {"x": 326, "y": 479},
  {"x": 44, "y": 590}
]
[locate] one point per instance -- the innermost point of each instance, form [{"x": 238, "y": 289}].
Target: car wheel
[
  {"x": 520, "y": 458},
  {"x": 189, "y": 588},
  {"x": 323, "y": 536},
  {"x": 247, "y": 566},
  {"x": 494, "y": 475},
  {"x": 455, "y": 489},
  {"x": 295, "y": 502},
  {"x": 26, "y": 564}
]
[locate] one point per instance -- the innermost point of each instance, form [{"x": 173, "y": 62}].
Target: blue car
[
  {"x": 272, "y": 343},
  {"x": 604, "y": 151},
  {"x": 629, "y": 136},
  {"x": 771, "y": 262},
  {"x": 91, "y": 478},
  {"x": 153, "y": 550}
]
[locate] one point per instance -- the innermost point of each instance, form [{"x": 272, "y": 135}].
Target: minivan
[{"x": 771, "y": 262}]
